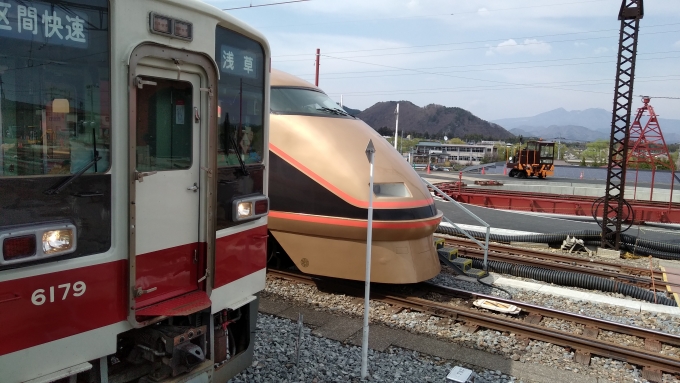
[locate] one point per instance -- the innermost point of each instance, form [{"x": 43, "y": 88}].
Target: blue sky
[{"x": 496, "y": 58}]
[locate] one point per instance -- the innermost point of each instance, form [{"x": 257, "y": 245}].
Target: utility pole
[
  {"x": 401, "y": 144},
  {"x": 396, "y": 130},
  {"x": 318, "y": 58},
  {"x": 630, "y": 14}
]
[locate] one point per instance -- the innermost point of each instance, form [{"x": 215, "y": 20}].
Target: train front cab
[{"x": 133, "y": 243}]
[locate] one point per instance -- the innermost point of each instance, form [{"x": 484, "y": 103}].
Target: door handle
[
  {"x": 140, "y": 291},
  {"x": 193, "y": 188},
  {"x": 139, "y": 176}
]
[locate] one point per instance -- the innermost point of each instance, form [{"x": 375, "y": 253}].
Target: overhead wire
[
  {"x": 498, "y": 87},
  {"x": 431, "y": 15},
  {"x": 265, "y": 5},
  {"x": 478, "y": 41},
  {"x": 331, "y": 77},
  {"x": 476, "y": 65},
  {"x": 669, "y": 98},
  {"x": 462, "y": 77},
  {"x": 480, "y": 47}
]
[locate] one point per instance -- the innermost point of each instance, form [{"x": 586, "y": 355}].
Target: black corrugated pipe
[
  {"x": 568, "y": 278},
  {"x": 641, "y": 250},
  {"x": 654, "y": 245},
  {"x": 538, "y": 238}
]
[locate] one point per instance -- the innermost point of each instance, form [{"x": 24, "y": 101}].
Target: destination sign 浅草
[
  {"x": 239, "y": 62},
  {"x": 44, "y": 23}
]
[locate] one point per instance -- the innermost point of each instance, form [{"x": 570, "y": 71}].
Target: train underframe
[{"x": 200, "y": 347}]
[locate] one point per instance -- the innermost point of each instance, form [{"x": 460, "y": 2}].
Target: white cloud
[
  {"x": 483, "y": 12},
  {"x": 600, "y": 50},
  {"x": 579, "y": 44},
  {"x": 530, "y": 46}
]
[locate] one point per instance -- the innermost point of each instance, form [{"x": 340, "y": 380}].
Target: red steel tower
[{"x": 647, "y": 145}]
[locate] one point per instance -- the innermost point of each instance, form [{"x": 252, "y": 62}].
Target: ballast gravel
[
  {"x": 494, "y": 342},
  {"x": 325, "y": 360},
  {"x": 651, "y": 320}
]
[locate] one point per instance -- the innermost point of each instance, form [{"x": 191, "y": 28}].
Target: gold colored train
[{"x": 318, "y": 191}]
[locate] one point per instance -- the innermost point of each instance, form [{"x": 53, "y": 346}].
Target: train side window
[{"x": 55, "y": 104}]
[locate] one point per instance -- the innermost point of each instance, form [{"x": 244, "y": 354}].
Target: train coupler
[{"x": 171, "y": 350}]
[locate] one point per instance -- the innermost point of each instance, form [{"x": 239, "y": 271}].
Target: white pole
[
  {"x": 396, "y": 130},
  {"x": 370, "y": 151}
]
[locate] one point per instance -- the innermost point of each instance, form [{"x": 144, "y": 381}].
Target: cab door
[{"x": 166, "y": 190}]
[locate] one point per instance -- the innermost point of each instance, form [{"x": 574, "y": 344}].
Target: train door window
[{"x": 164, "y": 128}]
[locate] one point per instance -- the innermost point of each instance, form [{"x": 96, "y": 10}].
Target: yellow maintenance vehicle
[{"x": 536, "y": 159}]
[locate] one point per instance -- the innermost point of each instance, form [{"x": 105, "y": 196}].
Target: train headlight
[
  {"x": 57, "y": 241},
  {"x": 36, "y": 242},
  {"x": 244, "y": 210},
  {"x": 250, "y": 208}
]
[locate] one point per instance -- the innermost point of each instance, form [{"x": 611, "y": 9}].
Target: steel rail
[
  {"x": 532, "y": 257},
  {"x": 584, "y": 345},
  {"x": 587, "y": 321}
]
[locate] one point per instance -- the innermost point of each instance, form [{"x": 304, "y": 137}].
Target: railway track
[
  {"x": 526, "y": 325},
  {"x": 642, "y": 277}
]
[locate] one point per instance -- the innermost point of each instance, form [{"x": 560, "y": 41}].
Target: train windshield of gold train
[
  {"x": 318, "y": 189},
  {"x": 304, "y": 102}
]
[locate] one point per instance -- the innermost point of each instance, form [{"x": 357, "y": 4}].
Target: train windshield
[
  {"x": 307, "y": 102},
  {"x": 241, "y": 99},
  {"x": 55, "y": 108}
]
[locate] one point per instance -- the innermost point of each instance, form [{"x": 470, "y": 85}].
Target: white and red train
[{"x": 133, "y": 190}]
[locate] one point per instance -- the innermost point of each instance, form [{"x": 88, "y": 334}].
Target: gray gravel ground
[
  {"x": 655, "y": 321},
  {"x": 325, "y": 360},
  {"x": 493, "y": 341}
]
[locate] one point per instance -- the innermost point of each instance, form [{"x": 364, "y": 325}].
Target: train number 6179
[{"x": 38, "y": 297}]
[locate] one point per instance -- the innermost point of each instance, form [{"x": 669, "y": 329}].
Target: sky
[{"x": 495, "y": 58}]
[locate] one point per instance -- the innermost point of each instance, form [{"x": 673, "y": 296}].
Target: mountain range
[
  {"x": 434, "y": 120},
  {"x": 557, "y": 124},
  {"x": 578, "y": 125}
]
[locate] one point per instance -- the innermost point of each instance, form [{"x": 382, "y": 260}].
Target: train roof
[
  {"x": 223, "y": 18},
  {"x": 280, "y": 78}
]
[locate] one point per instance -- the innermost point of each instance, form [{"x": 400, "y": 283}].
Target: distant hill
[
  {"x": 563, "y": 132},
  {"x": 353, "y": 112},
  {"x": 597, "y": 120},
  {"x": 432, "y": 119}
]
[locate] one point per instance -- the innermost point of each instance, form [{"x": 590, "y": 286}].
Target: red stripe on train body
[
  {"x": 44, "y": 308},
  {"x": 240, "y": 254}
]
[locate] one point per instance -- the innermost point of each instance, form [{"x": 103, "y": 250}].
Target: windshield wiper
[
  {"x": 61, "y": 186},
  {"x": 95, "y": 154},
  {"x": 236, "y": 149},
  {"x": 334, "y": 111}
]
